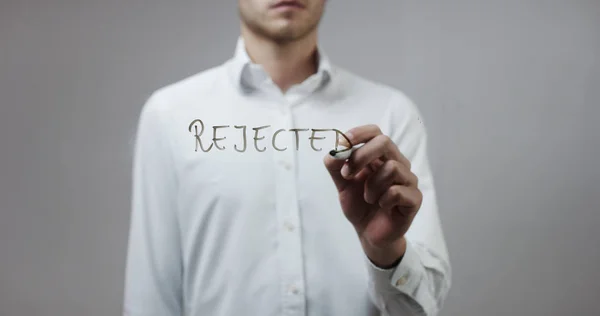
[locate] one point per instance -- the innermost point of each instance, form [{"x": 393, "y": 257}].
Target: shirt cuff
[{"x": 405, "y": 277}]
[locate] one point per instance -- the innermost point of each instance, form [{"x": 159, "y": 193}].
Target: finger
[
  {"x": 334, "y": 167},
  {"x": 401, "y": 196},
  {"x": 379, "y": 147},
  {"x": 364, "y": 133},
  {"x": 366, "y": 172},
  {"x": 376, "y": 164},
  {"x": 391, "y": 172}
]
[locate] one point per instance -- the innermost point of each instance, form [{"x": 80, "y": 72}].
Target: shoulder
[
  {"x": 396, "y": 105},
  {"x": 401, "y": 119}
]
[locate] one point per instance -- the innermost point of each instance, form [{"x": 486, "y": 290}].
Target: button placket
[{"x": 290, "y": 249}]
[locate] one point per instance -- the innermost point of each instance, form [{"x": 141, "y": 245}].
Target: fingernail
[
  {"x": 366, "y": 198},
  {"x": 345, "y": 171},
  {"x": 342, "y": 140}
]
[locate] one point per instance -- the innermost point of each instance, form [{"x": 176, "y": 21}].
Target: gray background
[{"x": 509, "y": 89}]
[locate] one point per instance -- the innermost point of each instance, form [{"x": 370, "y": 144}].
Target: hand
[{"x": 378, "y": 193}]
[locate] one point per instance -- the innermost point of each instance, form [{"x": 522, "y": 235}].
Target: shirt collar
[{"x": 248, "y": 75}]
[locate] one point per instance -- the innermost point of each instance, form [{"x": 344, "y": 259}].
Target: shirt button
[
  {"x": 289, "y": 226},
  {"x": 402, "y": 280},
  {"x": 294, "y": 290},
  {"x": 286, "y": 165}
]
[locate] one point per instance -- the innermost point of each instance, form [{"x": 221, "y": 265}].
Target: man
[{"x": 238, "y": 210}]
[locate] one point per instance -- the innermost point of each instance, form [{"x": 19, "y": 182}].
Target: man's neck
[{"x": 287, "y": 64}]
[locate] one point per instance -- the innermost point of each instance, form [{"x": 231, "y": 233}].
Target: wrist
[{"x": 387, "y": 256}]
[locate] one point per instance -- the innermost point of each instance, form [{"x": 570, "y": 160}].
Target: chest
[{"x": 245, "y": 158}]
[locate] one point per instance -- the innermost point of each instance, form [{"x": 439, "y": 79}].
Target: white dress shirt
[{"x": 261, "y": 232}]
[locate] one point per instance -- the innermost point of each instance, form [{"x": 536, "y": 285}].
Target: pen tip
[{"x": 332, "y": 152}]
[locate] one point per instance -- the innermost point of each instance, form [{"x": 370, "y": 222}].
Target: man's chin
[{"x": 285, "y": 34}]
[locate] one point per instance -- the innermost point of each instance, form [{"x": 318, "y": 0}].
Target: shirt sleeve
[
  {"x": 420, "y": 282},
  {"x": 153, "y": 276}
]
